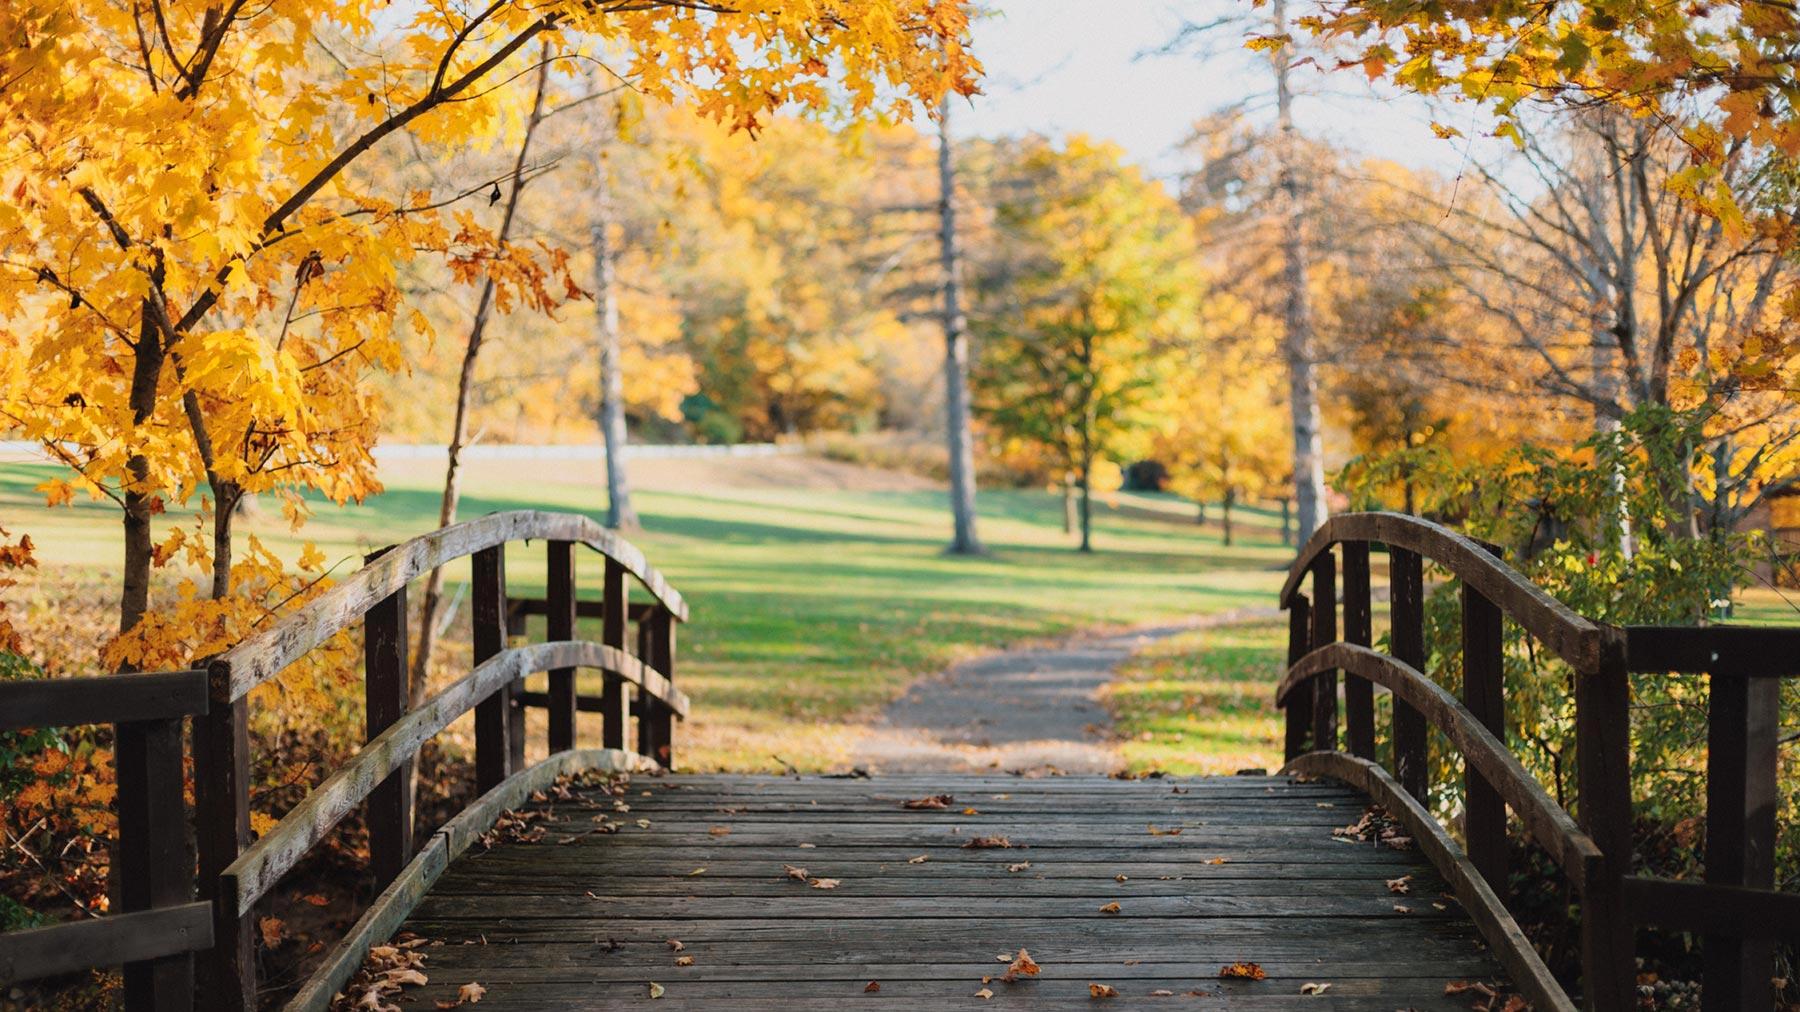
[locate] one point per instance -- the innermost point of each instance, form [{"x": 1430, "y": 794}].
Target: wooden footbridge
[{"x": 597, "y": 877}]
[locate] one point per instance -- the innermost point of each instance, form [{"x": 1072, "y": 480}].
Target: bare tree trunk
[
  {"x": 1303, "y": 380},
  {"x": 1225, "y": 512},
  {"x": 147, "y": 362},
  {"x": 1068, "y": 496},
  {"x": 619, "y": 514},
  {"x": 1087, "y": 502},
  {"x": 465, "y": 384},
  {"x": 956, "y": 353}
]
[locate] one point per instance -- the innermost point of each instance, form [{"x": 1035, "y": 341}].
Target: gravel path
[{"x": 1026, "y": 711}]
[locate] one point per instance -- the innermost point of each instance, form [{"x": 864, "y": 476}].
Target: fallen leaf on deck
[
  {"x": 719, "y": 831},
  {"x": 1102, "y": 991},
  {"x": 407, "y": 975},
  {"x": 1021, "y": 866},
  {"x": 1110, "y": 908},
  {"x": 1023, "y": 965},
  {"x": 934, "y": 801},
  {"x": 1311, "y": 988},
  {"x": 988, "y": 842},
  {"x": 675, "y": 945},
  {"x": 1171, "y": 831},
  {"x": 1400, "y": 909},
  {"x": 696, "y": 871},
  {"x": 1400, "y": 885},
  {"x": 684, "y": 961},
  {"x": 1457, "y": 987},
  {"x": 1217, "y": 860},
  {"x": 1121, "y": 878},
  {"x": 1162, "y": 993},
  {"x": 471, "y": 993},
  {"x": 1515, "y": 1004},
  {"x": 643, "y": 823},
  {"x": 970, "y": 811},
  {"x": 872, "y": 986},
  {"x": 316, "y": 899},
  {"x": 798, "y": 874},
  {"x": 984, "y": 994},
  {"x": 272, "y": 929},
  {"x": 1242, "y": 971},
  {"x": 656, "y": 990},
  {"x": 921, "y": 859},
  {"x": 807, "y": 846},
  {"x": 824, "y": 883}
]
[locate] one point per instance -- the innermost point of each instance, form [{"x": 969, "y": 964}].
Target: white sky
[{"x": 1061, "y": 66}]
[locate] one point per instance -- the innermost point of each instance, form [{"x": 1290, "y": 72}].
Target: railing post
[
  {"x": 493, "y": 716},
  {"x": 390, "y": 806},
  {"x": 515, "y": 711},
  {"x": 1484, "y": 693},
  {"x": 656, "y": 722},
  {"x": 222, "y": 830},
  {"x": 155, "y": 867},
  {"x": 1359, "y": 693},
  {"x": 614, "y": 706},
  {"x": 1406, "y": 640},
  {"x": 1741, "y": 753},
  {"x": 1324, "y": 631},
  {"x": 559, "y": 621},
  {"x": 1299, "y": 704},
  {"x": 1603, "y": 755}
]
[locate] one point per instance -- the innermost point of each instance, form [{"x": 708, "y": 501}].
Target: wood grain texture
[
  {"x": 102, "y": 699},
  {"x": 581, "y": 917},
  {"x": 104, "y": 941}
]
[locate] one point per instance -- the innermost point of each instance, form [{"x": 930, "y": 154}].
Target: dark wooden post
[
  {"x": 559, "y": 623},
  {"x": 1359, "y": 693},
  {"x": 222, "y": 830},
  {"x": 1484, "y": 811},
  {"x": 516, "y": 620},
  {"x": 493, "y": 716},
  {"x": 1406, "y": 639},
  {"x": 1324, "y": 631},
  {"x": 1603, "y": 754},
  {"x": 1299, "y": 704},
  {"x": 390, "y": 807},
  {"x": 613, "y": 608},
  {"x": 155, "y": 867},
  {"x": 1741, "y": 755},
  {"x": 656, "y": 722}
]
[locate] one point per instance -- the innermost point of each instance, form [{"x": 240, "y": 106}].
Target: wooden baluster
[
  {"x": 560, "y": 625},
  {"x": 1741, "y": 755},
  {"x": 656, "y": 722},
  {"x": 493, "y": 717},
  {"x": 1359, "y": 693},
  {"x": 1324, "y": 631},
  {"x": 1299, "y": 704},
  {"x": 1603, "y": 755},
  {"x": 222, "y": 830},
  {"x": 516, "y": 627},
  {"x": 1484, "y": 670},
  {"x": 614, "y": 705},
  {"x": 155, "y": 867},
  {"x": 1406, "y": 640},
  {"x": 390, "y": 805}
]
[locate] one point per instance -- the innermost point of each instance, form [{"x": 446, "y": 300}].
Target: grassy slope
[{"x": 811, "y": 607}]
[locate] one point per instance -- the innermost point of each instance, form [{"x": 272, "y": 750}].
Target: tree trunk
[
  {"x": 1287, "y": 521},
  {"x": 1303, "y": 381},
  {"x": 1087, "y": 503},
  {"x": 1068, "y": 490},
  {"x": 1225, "y": 512},
  {"x": 146, "y": 373},
  {"x": 619, "y": 514},
  {"x": 960, "y": 439},
  {"x": 1200, "y": 512},
  {"x": 465, "y": 385}
]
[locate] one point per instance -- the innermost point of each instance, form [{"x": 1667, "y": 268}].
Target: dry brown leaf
[
  {"x": 643, "y": 823},
  {"x": 272, "y": 930},
  {"x": 1121, "y": 878},
  {"x": 1162, "y": 992},
  {"x": 675, "y": 945},
  {"x": 696, "y": 871},
  {"x": 984, "y": 994},
  {"x": 1110, "y": 908},
  {"x": 970, "y": 811},
  {"x": 471, "y": 993},
  {"x": 1400, "y": 885},
  {"x": 1217, "y": 860},
  {"x": 921, "y": 859},
  {"x": 933, "y": 801},
  {"x": 1023, "y": 965},
  {"x": 1515, "y": 1004},
  {"x": 1242, "y": 971},
  {"x": 872, "y": 986},
  {"x": 684, "y": 961},
  {"x": 1102, "y": 991},
  {"x": 718, "y": 831},
  {"x": 656, "y": 990},
  {"x": 1021, "y": 866},
  {"x": 408, "y": 975},
  {"x": 1457, "y": 987},
  {"x": 824, "y": 883},
  {"x": 1402, "y": 909},
  {"x": 1171, "y": 831},
  {"x": 316, "y": 899},
  {"x": 798, "y": 874},
  {"x": 988, "y": 843}
]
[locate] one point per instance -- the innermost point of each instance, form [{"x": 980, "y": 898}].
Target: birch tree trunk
[
  {"x": 619, "y": 513},
  {"x": 465, "y": 388},
  {"x": 1303, "y": 380},
  {"x": 960, "y": 439}
]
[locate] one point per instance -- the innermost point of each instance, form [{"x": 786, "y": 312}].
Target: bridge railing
[
  {"x": 164, "y": 926},
  {"x": 1735, "y": 908}
]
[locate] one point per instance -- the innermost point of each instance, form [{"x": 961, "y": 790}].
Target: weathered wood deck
[{"x": 582, "y": 918}]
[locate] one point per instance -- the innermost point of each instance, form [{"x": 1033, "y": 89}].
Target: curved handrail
[
  {"x": 262, "y": 656},
  {"x": 1510, "y": 946},
  {"x": 263, "y": 863},
  {"x": 1572, "y": 848},
  {"x": 1575, "y": 639}
]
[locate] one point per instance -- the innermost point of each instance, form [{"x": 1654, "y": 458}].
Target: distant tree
[
  {"x": 960, "y": 440},
  {"x": 1092, "y": 285}
]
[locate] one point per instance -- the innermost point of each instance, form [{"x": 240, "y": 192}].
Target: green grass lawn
[
  {"x": 1203, "y": 701},
  {"x": 810, "y": 607}
]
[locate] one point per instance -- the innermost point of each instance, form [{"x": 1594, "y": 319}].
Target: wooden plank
[
  {"x": 1406, "y": 639},
  {"x": 260, "y": 657},
  {"x": 226, "y": 974},
  {"x": 1714, "y": 910},
  {"x": 1567, "y": 634},
  {"x": 1725, "y": 650},
  {"x": 104, "y": 941},
  {"x": 102, "y": 699},
  {"x": 387, "y": 696},
  {"x": 493, "y": 723},
  {"x": 1743, "y": 720},
  {"x": 615, "y": 594},
  {"x": 1484, "y": 682},
  {"x": 1299, "y": 711},
  {"x": 155, "y": 868},
  {"x": 560, "y": 625},
  {"x": 656, "y": 728},
  {"x": 1324, "y": 630},
  {"x": 580, "y": 913},
  {"x": 1603, "y": 760},
  {"x": 1359, "y": 695}
]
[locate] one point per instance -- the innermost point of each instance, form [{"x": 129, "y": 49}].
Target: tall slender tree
[
  {"x": 619, "y": 513},
  {"x": 957, "y": 429}
]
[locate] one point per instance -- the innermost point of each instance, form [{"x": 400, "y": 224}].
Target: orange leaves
[
  {"x": 1022, "y": 966},
  {"x": 1102, "y": 991},
  {"x": 1242, "y": 971},
  {"x": 1110, "y": 908},
  {"x": 988, "y": 843},
  {"x": 934, "y": 801}
]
